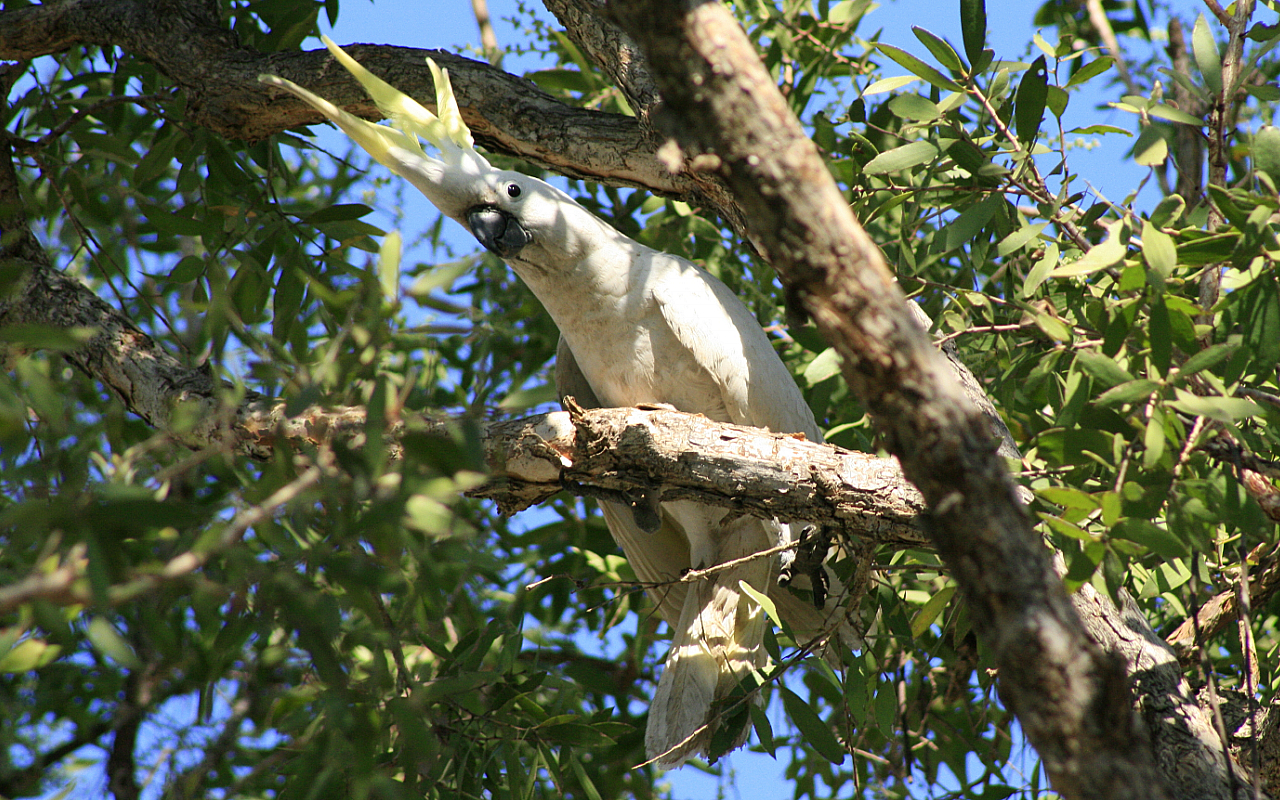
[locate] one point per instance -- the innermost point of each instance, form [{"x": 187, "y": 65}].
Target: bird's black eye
[{"x": 513, "y": 190}]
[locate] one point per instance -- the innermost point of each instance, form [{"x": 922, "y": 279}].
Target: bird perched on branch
[{"x": 637, "y": 326}]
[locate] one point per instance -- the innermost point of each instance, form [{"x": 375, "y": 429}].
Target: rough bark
[
  {"x": 1071, "y": 698},
  {"x": 219, "y": 79}
]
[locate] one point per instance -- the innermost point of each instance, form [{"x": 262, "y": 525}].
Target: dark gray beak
[{"x": 498, "y": 231}]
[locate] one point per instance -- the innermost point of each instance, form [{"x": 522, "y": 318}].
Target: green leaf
[
  {"x": 918, "y": 68},
  {"x": 33, "y": 336},
  {"x": 1206, "y": 53},
  {"x": 1029, "y": 102},
  {"x": 1020, "y": 238},
  {"x": 914, "y": 107},
  {"x": 1153, "y": 441},
  {"x": 940, "y": 48},
  {"x": 1208, "y": 358},
  {"x": 1266, "y": 152},
  {"x": 846, "y": 11},
  {"x": 338, "y": 213},
  {"x": 973, "y": 27},
  {"x": 168, "y": 220},
  {"x": 1067, "y": 497},
  {"x": 816, "y": 733},
  {"x": 1219, "y": 409},
  {"x": 1151, "y": 149},
  {"x": 1162, "y": 111},
  {"x": 1101, "y": 368},
  {"x": 389, "y": 265},
  {"x": 1069, "y": 529},
  {"x": 1158, "y": 249},
  {"x": 1091, "y": 70},
  {"x": 1041, "y": 271},
  {"x": 1092, "y": 129},
  {"x": 899, "y": 158},
  {"x": 764, "y": 602},
  {"x": 888, "y": 84},
  {"x": 826, "y": 365},
  {"x": 1099, "y": 257},
  {"x": 28, "y": 655},
  {"x": 1154, "y": 538},
  {"x": 110, "y": 643},
  {"x": 1135, "y": 391},
  {"x": 187, "y": 270},
  {"x": 964, "y": 227},
  {"x": 764, "y": 730},
  {"x": 974, "y": 161},
  {"x": 1168, "y": 211},
  {"x": 929, "y": 613},
  {"x": 1053, "y": 327},
  {"x": 1160, "y": 335}
]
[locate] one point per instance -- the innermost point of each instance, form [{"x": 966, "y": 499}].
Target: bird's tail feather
[{"x": 718, "y": 642}]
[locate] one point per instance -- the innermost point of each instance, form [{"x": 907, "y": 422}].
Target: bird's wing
[
  {"x": 570, "y": 382},
  {"x": 721, "y": 335}
]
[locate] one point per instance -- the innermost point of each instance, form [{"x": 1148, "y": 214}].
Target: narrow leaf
[
  {"x": 763, "y": 601},
  {"x": 973, "y": 27},
  {"x": 929, "y": 613},
  {"x": 1206, "y": 53},
  {"x": 1266, "y": 152},
  {"x": 1129, "y": 392},
  {"x": 764, "y": 730},
  {"x": 1100, "y": 256},
  {"x": 1101, "y": 368},
  {"x": 826, "y": 365},
  {"x": 1162, "y": 111},
  {"x": 940, "y": 48},
  {"x": 1154, "y": 538},
  {"x": 1028, "y": 104},
  {"x": 1091, "y": 70},
  {"x": 389, "y": 265},
  {"x": 917, "y": 67},
  {"x": 904, "y": 157},
  {"x": 1153, "y": 442},
  {"x": 815, "y": 732},
  {"x": 1019, "y": 238},
  {"x": 1040, "y": 272},
  {"x": 1158, "y": 249},
  {"x": 1208, "y": 358},
  {"x": 1220, "y": 409}
]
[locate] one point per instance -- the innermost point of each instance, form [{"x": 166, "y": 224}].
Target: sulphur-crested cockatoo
[{"x": 637, "y": 326}]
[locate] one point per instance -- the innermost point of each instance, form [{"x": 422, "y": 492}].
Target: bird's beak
[{"x": 499, "y": 232}]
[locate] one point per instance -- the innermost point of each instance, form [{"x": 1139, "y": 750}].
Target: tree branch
[{"x": 186, "y": 41}]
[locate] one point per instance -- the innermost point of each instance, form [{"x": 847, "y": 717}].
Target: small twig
[
  {"x": 1218, "y": 11},
  {"x": 1017, "y": 326},
  {"x": 1249, "y": 651},
  {"x": 698, "y": 574},
  {"x": 1206, "y": 672}
]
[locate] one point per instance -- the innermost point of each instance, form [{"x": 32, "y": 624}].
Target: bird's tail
[{"x": 718, "y": 641}]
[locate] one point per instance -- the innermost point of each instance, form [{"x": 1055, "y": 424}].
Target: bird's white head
[{"x": 506, "y": 211}]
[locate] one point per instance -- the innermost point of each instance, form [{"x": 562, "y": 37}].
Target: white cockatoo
[{"x": 637, "y": 326}]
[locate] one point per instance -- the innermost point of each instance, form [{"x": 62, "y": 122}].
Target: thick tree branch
[
  {"x": 1071, "y": 699},
  {"x": 186, "y": 41}
]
